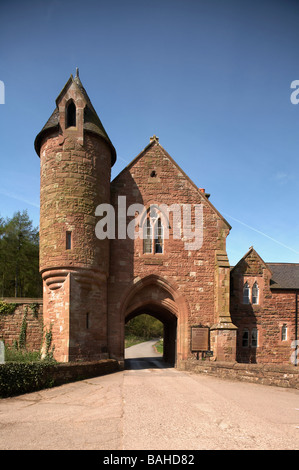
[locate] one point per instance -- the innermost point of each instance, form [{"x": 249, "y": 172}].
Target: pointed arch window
[
  {"x": 147, "y": 236},
  {"x": 153, "y": 234},
  {"x": 246, "y": 291},
  {"x": 158, "y": 236},
  {"x": 255, "y": 293},
  {"x": 71, "y": 115}
]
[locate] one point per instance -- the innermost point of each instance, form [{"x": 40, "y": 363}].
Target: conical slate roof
[{"x": 92, "y": 122}]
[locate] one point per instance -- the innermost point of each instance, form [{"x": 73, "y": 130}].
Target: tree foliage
[
  {"x": 144, "y": 326},
  {"x": 19, "y": 257}
]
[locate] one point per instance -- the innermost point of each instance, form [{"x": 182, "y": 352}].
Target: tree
[
  {"x": 19, "y": 257},
  {"x": 144, "y": 326}
]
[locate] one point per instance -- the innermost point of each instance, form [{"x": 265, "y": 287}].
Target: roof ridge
[{"x": 282, "y": 263}]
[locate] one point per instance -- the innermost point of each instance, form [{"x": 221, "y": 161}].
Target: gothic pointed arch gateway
[{"x": 155, "y": 296}]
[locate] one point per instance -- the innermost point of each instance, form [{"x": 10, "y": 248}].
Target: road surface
[
  {"x": 144, "y": 356},
  {"x": 152, "y": 407}
]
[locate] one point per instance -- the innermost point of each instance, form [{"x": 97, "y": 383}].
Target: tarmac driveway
[{"x": 150, "y": 406}]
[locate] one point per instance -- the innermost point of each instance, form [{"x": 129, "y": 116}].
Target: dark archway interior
[{"x": 170, "y": 328}]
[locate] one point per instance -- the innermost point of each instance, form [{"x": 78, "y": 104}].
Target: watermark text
[
  {"x": 153, "y": 222},
  {"x": 2, "y": 92},
  {"x": 295, "y": 94}
]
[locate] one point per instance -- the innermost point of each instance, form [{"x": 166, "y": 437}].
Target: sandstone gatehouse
[{"x": 93, "y": 285}]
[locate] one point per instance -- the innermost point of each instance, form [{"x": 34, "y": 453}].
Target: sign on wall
[{"x": 200, "y": 338}]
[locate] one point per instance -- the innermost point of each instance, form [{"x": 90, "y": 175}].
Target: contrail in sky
[
  {"x": 261, "y": 233},
  {"x": 18, "y": 198}
]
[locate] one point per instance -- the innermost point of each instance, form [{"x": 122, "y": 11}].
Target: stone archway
[
  {"x": 154, "y": 295},
  {"x": 169, "y": 321}
]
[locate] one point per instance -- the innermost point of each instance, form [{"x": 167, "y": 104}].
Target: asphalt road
[
  {"x": 150, "y": 406},
  {"x": 144, "y": 356}
]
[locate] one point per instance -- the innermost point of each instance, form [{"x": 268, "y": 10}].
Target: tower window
[
  {"x": 87, "y": 320},
  {"x": 68, "y": 240},
  {"x": 71, "y": 115}
]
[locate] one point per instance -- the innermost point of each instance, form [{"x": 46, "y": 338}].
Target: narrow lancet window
[
  {"x": 284, "y": 332},
  {"x": 71, "y": 115},
  {"x": 68, "y": 240},
  {"x": 246, "y": 299},
  {"x": 159, "y": 237},
  {"x": 255, "y": 293},
  {"x": 147, "y": 236}
]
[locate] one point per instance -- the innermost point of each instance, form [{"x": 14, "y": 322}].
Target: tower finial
[{"x": 77, "y": 72}]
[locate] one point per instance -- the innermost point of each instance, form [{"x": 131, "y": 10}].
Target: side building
[{"x": 264, "y": 306}]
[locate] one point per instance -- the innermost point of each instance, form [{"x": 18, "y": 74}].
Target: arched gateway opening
[
  {"x": 169, "y": 328},
  {"x": 155, "y": 296}
]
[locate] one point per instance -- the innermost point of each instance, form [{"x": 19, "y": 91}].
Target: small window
[
  {"x": 245, "y": 338},
  {"x": 284, "y": 333},
  {"x": 68, "y": 240},
  {"x": 147, "y": 236},
  {"x": 158, "y": 237},
  {"x": 254, "y": 338},
  {"x": 87, "y": 321},
  {"x": 71, "y": 115},
  {"x": 246, "y": 291},
  {"x": 255, "y": 293}
]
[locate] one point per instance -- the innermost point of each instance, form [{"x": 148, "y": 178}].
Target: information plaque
[{"x": 199, "y": 338}]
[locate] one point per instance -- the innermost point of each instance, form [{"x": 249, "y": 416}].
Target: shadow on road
[{"x": 139, "y": 363}]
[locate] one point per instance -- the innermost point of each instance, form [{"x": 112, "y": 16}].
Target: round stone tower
[{"x": 76, "y": 156}]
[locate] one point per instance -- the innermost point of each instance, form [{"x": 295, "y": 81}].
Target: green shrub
[
  {"x": 144, "y": 326},
  {"x": 159, "y": 346},
  {"x": 18, "y": 378},
  {"x": 7, "y": 308},
  {"x": 131, "y": 340},
  {"x": 14, "y": 354}
]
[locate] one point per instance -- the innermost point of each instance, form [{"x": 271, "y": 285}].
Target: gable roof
[
  {"x": 155, "y": 141},
  {"x": 92, "y": 122},
  {"x": 249, "y": 252},
  {"x": 283, "y": 275}
]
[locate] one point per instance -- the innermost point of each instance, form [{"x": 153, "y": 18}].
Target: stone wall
[
  {"x": 71, "y": 372},
  {"x": 29, "y": 313},
  {"x": 265, "y": 374}
]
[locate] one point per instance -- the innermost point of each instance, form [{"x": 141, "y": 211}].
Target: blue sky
[{"x": 211, "y": 78}]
